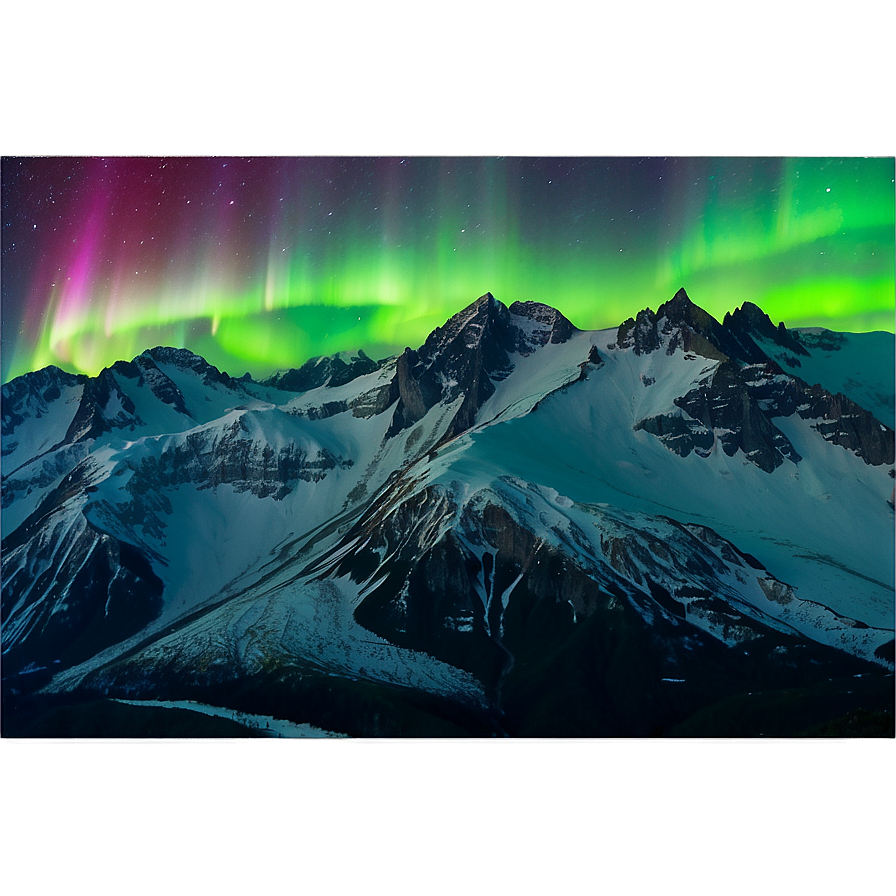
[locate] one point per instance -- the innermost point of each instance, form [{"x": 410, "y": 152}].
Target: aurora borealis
[{"x": 258, "y": 264}]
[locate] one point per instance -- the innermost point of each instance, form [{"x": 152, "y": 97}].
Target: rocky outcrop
[
  {"x": 464, "y": 358},
  {"x": 748, "y": 389},
  {"x": 822, "y": 340},
  {"x": 31, "y": 396},
  {"x": 679, "y": 433},
  {"x": 835, "y": 417},
  {"x": 679, "y": 323},
  {"x": 103, "y": 407},
  {"x": 376, "y": 401},
  {"x": 187, "y": 360},
  {"x": 537, "y": 325},
  {"x": 726, "y": 406},
  {"x": 209, "y": 458},
  {"x": 335, "y": 370},
  {"x": 100, "y": 591},
  {"x": 841, "y": 421},
  {"x": 639, "y": 333},
  {"x": 749, "y": 322},
  {"x": 723, "y": 411}
]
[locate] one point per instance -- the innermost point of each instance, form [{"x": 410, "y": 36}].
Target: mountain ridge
[{"x": 418, "y": 523}]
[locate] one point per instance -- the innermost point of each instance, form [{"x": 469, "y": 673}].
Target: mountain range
[{"x": 678, "y": 526}]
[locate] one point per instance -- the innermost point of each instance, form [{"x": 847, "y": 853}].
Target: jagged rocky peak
[
  {"x": 681, "y": 310},
  {"x": 103, "y": 407},
  {"x": 538, "y": 324},
  {"x": 752, "y": 316},
  {"x": 459, "y": 358},
  {"x": 639, "y": 333},
  {"x": 187, "y": 360},
  {"x": 33, "y": 393},
  {"x": 679, "y": 323},
  {"x": 325, "y": 370},
  {"x": 468, "y": 354},
  {"x": 687, "y": 325},
  {"x": 48, "y": 378},
  {"x": 522, "y": 328},
  {"x": 751, "y": 321},
  {"x": 674, "y": 325},
  {"x": 466, "y": 329}
]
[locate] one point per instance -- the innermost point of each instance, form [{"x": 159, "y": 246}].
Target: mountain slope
[{"x": 519, "y": 527}]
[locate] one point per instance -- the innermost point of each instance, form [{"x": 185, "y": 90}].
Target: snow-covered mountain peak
[
  {"x": 325, "y": 370},
  {"x": 518, "y": 527},
  {"x": 33, "y": 395},
  {"x": 484, "y": 319},
  {"x": 750, "y": 322},
  {"x": 537, "y": 325},
  {"x": 681, "y": 324},
  {"x": 184, "y": 359}
]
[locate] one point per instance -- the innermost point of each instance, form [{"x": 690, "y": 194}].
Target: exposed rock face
[
  {"x": 538, "y": 325},
  {"x": 639, "y": 333},
  {"x": 679, "y": 323},
  {"x": 145, "y": 370},
  {"x": 187, "y": 360},
  {"x": 844, "y": 423},
  {"x": 686, "y": 325},
  {"x": 749, "y": 321},
  {"x": 211, "y": 458},
  {"x": 103, "y": 407},
  {"x": 727, "y": 406},
  {"x": 335, "y": 370},
  {"x": 110, "y": 593},
  {"x": 723, "y": 409},
  {"x": 457, "y": 360},
  {"x": 837, "y": 418},
  {"x": 679, "y": 433},
  {"x": 32, "y": 395},
  {"x": 468, "y": 355},
  {"x": 775, "y": 590},
  {"x": 748, "y": 389},
  {"x": 376, "y": 401},
  {"x": 482, "y": 581},
  {"x": 825, "y": 340},
  {"x": 53, "y": 465}
]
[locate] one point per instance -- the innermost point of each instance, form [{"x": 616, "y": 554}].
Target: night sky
[{"x": 258, "y": 264}]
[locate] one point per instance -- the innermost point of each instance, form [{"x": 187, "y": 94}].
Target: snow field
[
  {"x": 268, "y": 724},
  {"x": 861, "y": 368},
  {"x": 44, "y": 427},
  {"x": 839, "y": 554}
]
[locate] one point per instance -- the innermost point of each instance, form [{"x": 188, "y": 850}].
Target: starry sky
[{"x": 260, "y": 263}]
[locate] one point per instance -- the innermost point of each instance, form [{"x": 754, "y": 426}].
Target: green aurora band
[{"x": 374, "y": 254}]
